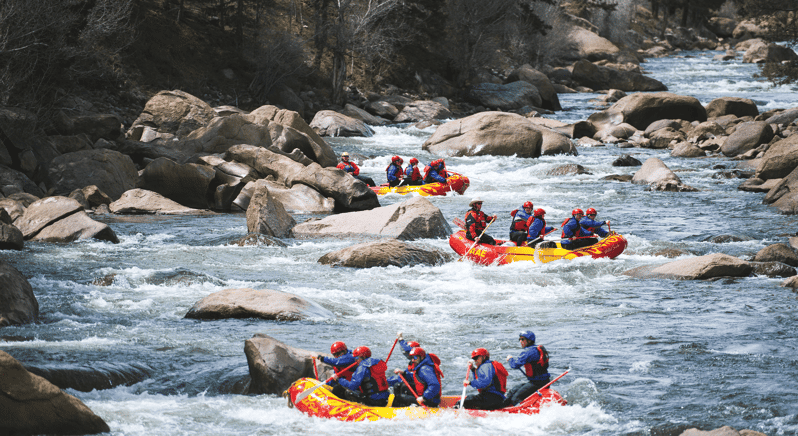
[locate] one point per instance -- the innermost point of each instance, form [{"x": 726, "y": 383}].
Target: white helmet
[{"x": 475, "y": 200}]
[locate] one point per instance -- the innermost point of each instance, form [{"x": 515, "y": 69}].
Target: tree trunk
[
  {"x": 685, "y": 13},
  {"x": 655, "y": 8},
  {"x": 339, "y": 77},
  {"x": 320, "y": 32},
  {"x": 180, "y": 10},
  {"x": 221, "y": 14},
  {"x": 240, "y": 22}
]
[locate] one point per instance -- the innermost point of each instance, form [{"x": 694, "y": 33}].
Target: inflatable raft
[
  {"x": 611, "y": 246},
  {"x": 322, "y": 403},
  {"x": 454, "y": 183}
]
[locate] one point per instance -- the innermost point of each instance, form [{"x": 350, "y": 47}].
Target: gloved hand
[
  {"x": 399, "y": 335},
  {"x": 420, "y": 400},
  {"x": 320, "y": 358},
  {"x": 509, "y": 357},
  {"x": 397, "y": 370},
  {"x": 466, "y": 382},
  {"x": 472, "y": 363}
]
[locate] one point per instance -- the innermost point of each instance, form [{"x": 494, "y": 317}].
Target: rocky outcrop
[
  {"x": 318, "y": 150},
  {"x": 584, "y": 44},
  {"x": 784, "y": 196},
  {"x": 23, "y": 147},
  {"x": 174, "y": 112},
  {"x": 598, "y": 77},
  {"x": 95, "y": 126},
  {"x": 10, "y": 236},
  {"x": 416, "y": 218},
  {"x": 768, "y": 52},
  {"x": 737, "y": 106},
  {"x": 686, "y": 149},
  {"x": 548, "y": 94},
  {"x": 32, "y": 405},
  {"x": 274, "y": 366},
  {"x": 422, "y": 110},
  {"x": 331, "y": 123},
  {"x": 486, "y": 133},
  {"x": 222, "y": 133},
  {"x": 111, "y": 171},
  {"x": 18, "y": 305},
  {"x": 640, "y": 110},
  {"x": 297, "y": 199},
  {"x": 696, "y": 268},
  {"x": 142, "y": 201},
  {"x": 747, "y": 136},
  {"x": 779, "y": 160},
  {"x": 513, "y": 95},
  {"x": 385, "y": 252},
  {"x": 13, "y": 181},
  {"x": 266, "y": 215},
  {"x": 251, "y": 303},
  {"x": 187, "y": 184},
  {"x": 61, "y": 219}
]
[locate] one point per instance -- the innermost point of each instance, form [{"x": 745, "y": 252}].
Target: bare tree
[{"x": 277, "y": 56}]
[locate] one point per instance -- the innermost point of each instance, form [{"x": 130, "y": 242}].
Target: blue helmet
[{"x": 528, "y": 335}]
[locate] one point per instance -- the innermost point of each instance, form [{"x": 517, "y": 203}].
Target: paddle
[
  {"x": 477, "y": 240},
  {"x": 549, "y": 384},
  {"x": 315, "y": 370},
  {"x": 412, "y": 391},
  {"x": 394, "y": 344},
  {"x": 539, "y": 238},
  {"x": 465, "y": 383},
  {"x": 302, "y": 395},
  {"x": 459, "y": 223}
]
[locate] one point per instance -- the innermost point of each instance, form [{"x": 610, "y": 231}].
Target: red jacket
[{"x": 349, "y": 167}]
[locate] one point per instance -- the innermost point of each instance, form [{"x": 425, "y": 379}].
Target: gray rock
[
  {"x": 142, "y": 201},
  {"x": 251, "y": 303},
  {"x": 331, "y": 123},
  {"x": 111, "y": 171},
  {"x": 10, "y": 236},
  {"x": 18, "y": 305},
  {"x": 174, "y": 112},
  {"x": 777, "y": 253},
  {"x": 266, "y": 215},
  {"x": 737, "y": 106},
  {"x": 187, "y": 184},
  {"x": 514, "y": 95},
  {"x": 274, "y": 366},
  {"x": 747, "y": 136},
  {"x": 642, "y": 109},
  {"x": 422, "y": 110},
  {"x": 73, "y": 227},
  {"x": 487, "y": 133},
  {"x": 384, "y": 252},
  {"x": 697, "y": 268}
]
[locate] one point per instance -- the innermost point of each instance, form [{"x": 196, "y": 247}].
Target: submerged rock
[{"x": 386, "y": 252}]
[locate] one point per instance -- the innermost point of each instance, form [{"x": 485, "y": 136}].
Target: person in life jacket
[
  {"x": 341, "y": 359},
  {"x": 519, "y": 225},
  {"x": 537, "y": 228},
  {"x": 425, "y": 378},
  {"x": 533, "y": 363},
  {"x": 476, "y": 221},
  {"x": 413, "y": 174},
  {"x": 572, "y": 233},
  {"x": 435, "y": 172},
  {"x": 394, "y": 173},
  {"x": 368, "y": 384},
  {"x": 591, "y": 226},
  {"x": 352, "y": 168},
  {"x": 403, "y": 394},
  {"x": 489, "y": 378}
]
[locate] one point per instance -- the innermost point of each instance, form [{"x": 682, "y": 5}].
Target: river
[{"x": 646, "y": 357}]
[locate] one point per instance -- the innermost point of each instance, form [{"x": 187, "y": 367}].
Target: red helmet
[
  {"x": 418, "y": 351},
  {"x": 413, "y": 161},
  {"x": 577, "y": 211},
  {"x": 362, "y": 351},
  {"x": 528, "y": 204},
  {"x": 337, "y": 347},
  {"x": 540, "y": 213},
  {"x": 591, "y": 211},
  {"x": 480, "y": 352},
  {"x": 397, "y": 159},
  {"x": 413, "y": 344}
]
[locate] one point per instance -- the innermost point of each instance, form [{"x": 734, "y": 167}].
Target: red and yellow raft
[
  {"x": 324, "y": 404},
  {"x": 454, "y": 183},
  {"x": 611, "y": 247}
]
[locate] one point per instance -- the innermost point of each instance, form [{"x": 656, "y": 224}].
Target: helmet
[
  {"x": 591, "y": 211},
  {"x": 413, "y": 344},
  {"x": 577, "y": 211},
  {"x": 528, "y": 335},
  {"x": 344, "y": 154},
  {"x": 475, "y": 200},
  {"x": 413, "y": 161},
  {"x": 337, "y": 347},
  {"x": 528, "y": 204},
  {"x": 480, "y": 352},
  {"x": 362, "y": 351},
  {"x": 418, "y": 351},
  {"x": 397, "y": 159},
  {"x": 540, "y": 213}
]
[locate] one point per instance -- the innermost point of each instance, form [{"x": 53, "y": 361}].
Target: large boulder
[
  {"x": 142, "y": 201},
  {"x": 779, "y": 159},
  {"x": 783, "y": 118},
  {"x": 251, "y": 303},
  {"x": 18, "y": 305},
  {"x": 331, "y": 123},
  {"x": 95, "y": 126},
  {"x": 175, "y": 112},
  {"x": 584, "y": 44},
  {"x": 486, "y": 133},
  {"x": 73, "y": 227},
  {"x": 223, "y": 132},
  {"x": 721, "y": 26},
  {"x": 747, "y": 136},
  {"x": 13, "y": 207},
  {"x": 654, "y": 170},
  {"x": 10, "y": 236},
  {"x": 769, "y": 52},
  {"x": 349, "y": 193},
  {"x": 321, "y": 152},
  {"x": 296, "y": 199},
  {"x": 274, "y": 366},
  {"x": 513, "y": 95},
  {"x": 416, "y": 218},
  {"x": 421, "y": 110},
  {"x": 784, "y": 196},
  {"x": 187, "y": 184},
  {"x": 353, "y": 111},
  {"x": 548, "y": 95},
  {"x": 384, "y": 252},
  {"x": 32, "y": 405},
  {"x": 738, "y": 106},
  {"x": 777, "y": 253},
  {"x": 24, "y": 148},
  {"x": 267, "y": 216},
  {"x": 597, "y": 77},
  {"x": 13, "y": 181},
  {"x": 697, "y": 268},
  {"x": 554, "y": 143},
  {"x": 641, "y": 109},
  {"x": 111, "y": 171}
]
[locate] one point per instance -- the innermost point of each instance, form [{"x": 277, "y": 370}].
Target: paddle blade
[
  {"x": 304, "y": 394},
  {"x": 459, "y": 223}
]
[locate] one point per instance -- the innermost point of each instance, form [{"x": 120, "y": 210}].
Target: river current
[{"x": 645, "y": 356}]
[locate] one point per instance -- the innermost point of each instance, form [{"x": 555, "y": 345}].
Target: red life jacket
[
  {"x": 518, "y": 225},
  {"x": 416, "y": 174},
  {"x": 479, "y": 223},
  {"x": 501, "y": 374},
  {"x": 421, "y": 387},
  {"x": 539, "y": 367},
  {"x": 427, "y": 169},
  {"x": 578, "y": 231},
  {"x": 346, "y": 374},
  {"x": 437, "y": 361},
  {"x": 542, "y": 229},
  {"x": 376, "y": 377}
]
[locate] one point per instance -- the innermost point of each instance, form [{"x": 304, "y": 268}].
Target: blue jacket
[
  {"x": 537, "y": 228},
  {"x": 486, "y": 378},
  {"x": 391, "y": 172},
  {"x": 529, "y": 356},
  {"x": 361, "y": 375},
  {"x": 339, "y": 363},
  {"x": 520, "y": 216},
  {"x": 590, "y": 226},
  {"x": 424, "y": 371},
  {"x": 433, "y": 174}
]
